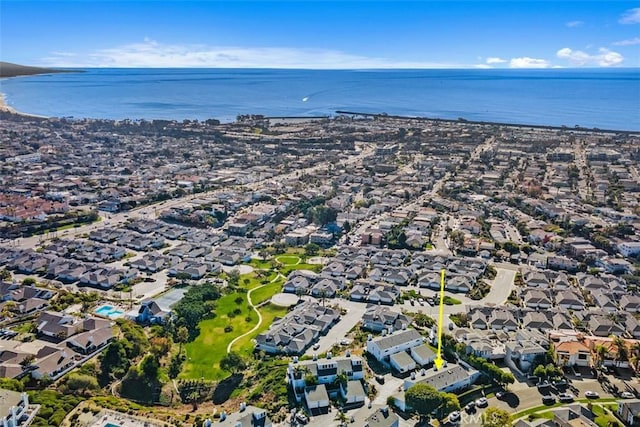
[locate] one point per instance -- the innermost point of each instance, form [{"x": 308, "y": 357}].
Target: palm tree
[
  {"x": 341, "y": 379},
  {"x": 622, "y": 352},
  {"x": 601, "y": 352},
  {"x": 635, "y": 358}
]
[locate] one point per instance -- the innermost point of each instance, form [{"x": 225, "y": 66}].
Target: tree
[
  {"x": 495, "y": 417},
  {"x": 422, "y": 320},
  {"x": 553, "y": 370},
  {"x": 149, "y": 367},
  {"x": 450, "y": 403},
  {"x": 114, "y": 362},
  {"x": 311, "y": 249},
  {"x": 423, "y": 399},
  {"x": 232, "y": 362},
  {"x": 29, "y": 281},
  {"x": 27, "y": 361},
  {"x": 322, "y": 215},
  {"x": 11, "y": 384},
  {"x": 233, "y": 277},
  {"x": 182, "y": 336},
  {"x": 601, "y": 353},
  {"x": 540, "y": 371},
  {"x": 341, "y": 379},
  {"x": 622, "y": 352},
  {"x": 81, "y": 382},
  {"x": 511, "y": 247}
]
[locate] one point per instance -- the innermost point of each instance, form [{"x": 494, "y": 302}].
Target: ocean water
[{"x": 603, "y": 98}]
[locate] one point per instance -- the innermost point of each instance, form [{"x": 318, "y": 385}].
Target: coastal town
[{"x": 285, "y": 271}]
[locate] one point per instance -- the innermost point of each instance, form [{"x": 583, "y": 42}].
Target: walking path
[{"x": 255, "y": 328}]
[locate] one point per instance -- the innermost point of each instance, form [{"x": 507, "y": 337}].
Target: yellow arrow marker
[{"x": 439, "y": 361}]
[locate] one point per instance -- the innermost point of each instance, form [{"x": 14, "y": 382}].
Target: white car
[
  {"x": 482, "y": 402},
  {"x": 454, "y": 417},
  {"x": 627, "y": 395},
  {"x": 591, "y": 394}
]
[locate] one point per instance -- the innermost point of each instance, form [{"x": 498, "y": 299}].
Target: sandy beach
[{"x": 4, "y": 107}]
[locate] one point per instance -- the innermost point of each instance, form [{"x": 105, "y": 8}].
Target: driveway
[{"x": 341, "y": 329}]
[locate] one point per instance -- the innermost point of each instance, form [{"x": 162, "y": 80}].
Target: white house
[
  {"x": 422, "y": 354},
  {"x": 14, "y": 406},
  {"x": 402, "y": 362},
  {"x": 452, "y": 377},
  {"x": 353, "y": 393},
  {"x": 316, "y": 397},
  {"x": 325, "y": 371},
  {"x": 383, "y": 347}
]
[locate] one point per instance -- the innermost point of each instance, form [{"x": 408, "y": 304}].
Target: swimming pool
[{"x": 108, "y": 311}]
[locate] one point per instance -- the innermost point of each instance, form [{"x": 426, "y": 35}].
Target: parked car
[
  {"x": 470, "y": 407},
  {"x": 627, "y": 395},
  {"x": 482, "y": 402},
  {"x": 566, "y": 397},
  {"x": 301, "y": 418},
  {"x": 591, "y": 394},
  {"x": 548, "y": 399},
  {"x": 500, "y": 395},
  {"x": 454, "y": 417},
  {"x": 543, "y": 385},
  {"x": 380, "y": 379}
]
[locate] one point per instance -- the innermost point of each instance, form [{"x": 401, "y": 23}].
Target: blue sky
[{"x": 321, "y": 34}]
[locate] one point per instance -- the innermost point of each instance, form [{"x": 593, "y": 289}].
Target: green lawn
[
  {"x": 206, "y": 351},
  {"x": 289, "y": 268},
  {"x": 288, "y": 259},
  {"x": 266, "y": 292},
  {"x": 604, "y": 418},
  {"x": 450, "y": 300},
  {"x": 244, "y": 346},
  {"x": 259, "y": 263}
]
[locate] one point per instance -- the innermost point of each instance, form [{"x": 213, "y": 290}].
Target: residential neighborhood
[{"x": 288, "y": 271}]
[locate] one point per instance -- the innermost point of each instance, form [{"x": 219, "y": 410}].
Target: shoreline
[{"x": 6, "y": 108}]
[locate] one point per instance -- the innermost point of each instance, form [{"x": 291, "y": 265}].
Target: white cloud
[
  {"x": 628, "y": 42},
  {"x": 573, "y": 24},
  {"x": 483, "y": 66},
  {"x": 66, "y": 54},
  {"x": 526, "y": 62},
  {"x": 631, "y": 16},
  {"x": 495, "y": 60},
  {"x": 150, "y": 53},
  {"x": 604, "y": 57}
]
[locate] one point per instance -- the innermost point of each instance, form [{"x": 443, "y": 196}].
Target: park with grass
[{"x": 236, "y": 323}]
